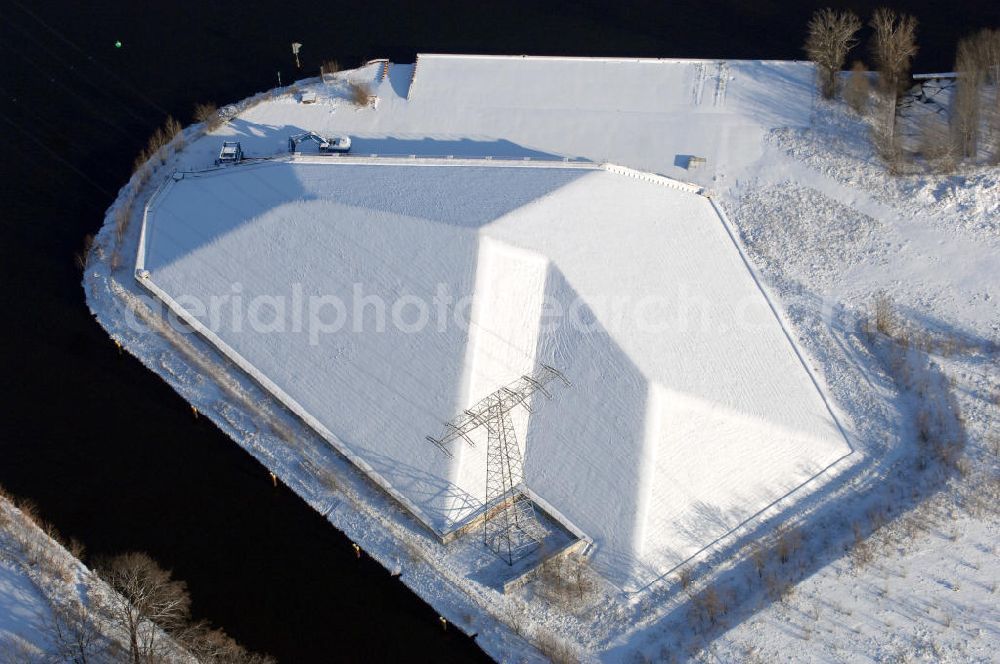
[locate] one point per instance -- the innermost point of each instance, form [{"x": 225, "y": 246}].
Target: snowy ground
[
  {"x": 49, "y": 600},
  {"x": 689, "y": 413},
  {"x": 23, "y": 609},
  {"x": 824, "y": 228}
]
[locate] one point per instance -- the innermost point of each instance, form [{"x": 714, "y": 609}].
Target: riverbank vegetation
[{"x": 129, "y": 610}]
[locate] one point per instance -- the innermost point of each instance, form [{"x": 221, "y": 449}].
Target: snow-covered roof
[{"x": 690, "y": 410}]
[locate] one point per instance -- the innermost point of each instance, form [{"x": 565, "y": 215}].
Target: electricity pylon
[{"x": 510, "y": 527}]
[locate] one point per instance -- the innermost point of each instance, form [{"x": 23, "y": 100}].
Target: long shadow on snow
[
  {"x": 445, "y": 147},
  {"x": 884, "y": 486},
  {"x": 201, "y": 208}
]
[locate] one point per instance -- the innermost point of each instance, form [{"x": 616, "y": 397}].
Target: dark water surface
[{"x": 110, "y": 454}]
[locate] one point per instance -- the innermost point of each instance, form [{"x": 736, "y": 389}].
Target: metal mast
[{"x": 510, "y": 527}]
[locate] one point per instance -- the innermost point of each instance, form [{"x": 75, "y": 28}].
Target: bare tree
[
  {"x": 858, "y": 88},
  {"x": 147, "y": 600},
  {"x": 987, "y": 47},
  {"x": 831, "y": 37},
  {"x": 887, "y": 143},
  {"x": 74, "y": 632},
  {"x": 965, "y": 107},
  {"x": 894, "y": 46},
  {"x": 987, "y": 43}
]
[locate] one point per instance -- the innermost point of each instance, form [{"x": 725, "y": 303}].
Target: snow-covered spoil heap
[{"x": 344, "y": 287}]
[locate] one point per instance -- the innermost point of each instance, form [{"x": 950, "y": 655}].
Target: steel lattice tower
[{"x": 510, "y": 527}]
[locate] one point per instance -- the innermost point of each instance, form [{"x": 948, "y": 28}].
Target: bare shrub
[
  {"x": 877, "y": 518},
  {"x": 214, "y": 646},
  {"x": 777, "y": 587},
  {"x": 556, "y": 649},
  {"x": 983, "y": 496},
  {"x": 146, "y": 599},
  {"x": 885, "y": 316},
  {"x": 894, "y": 45},
  {"x": 140, "y": 162},
  {"x": 29, "y": 510},
  {"x": 862, "y": 551},
  {"x": 708, "y": 606},
  {"x": 141, "y": 172},
  {"x": 788, "y": 542},
  {"x": 156, "y": 146},
  {"x": 122, "y": 218},
  {"x": 328, "y": 478},
  {"x": 564, "y": 581},
  {"x": 76, "y": 548},
  {"x": 831, "y": 36},
  {"x": 52, "y": 561},
  {"x": 684, "y": 577},
  {"x": 208, "y": 114},
  {"x": 759, "y": 557},
  {"x": 513, "y": 617},
  {"x": 82, "y": 258},
  {"x": 360, "y": 94},
  {"x": 964, "y": 467},
  {"x": 175, "y": 132},
  {"x": 329, "y": 68},
  {"x": 33, "y": 548},
  {"x": 936, "y": 146},
  {"x": 858, "y": 88}
]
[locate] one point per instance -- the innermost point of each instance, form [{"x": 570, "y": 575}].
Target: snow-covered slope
[{"x": 646, "y": 114}]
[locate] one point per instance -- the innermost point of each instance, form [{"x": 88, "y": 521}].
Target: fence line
[{"x": 652, "y": 177}]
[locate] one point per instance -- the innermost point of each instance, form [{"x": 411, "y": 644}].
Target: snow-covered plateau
[{"x": 780, "y": 438}]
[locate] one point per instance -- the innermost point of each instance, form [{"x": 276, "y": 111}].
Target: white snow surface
[
  {"x": 691, "y": 410},
  {"x": 22, "y": 608},
  {"x": 824, "y": 229}
]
